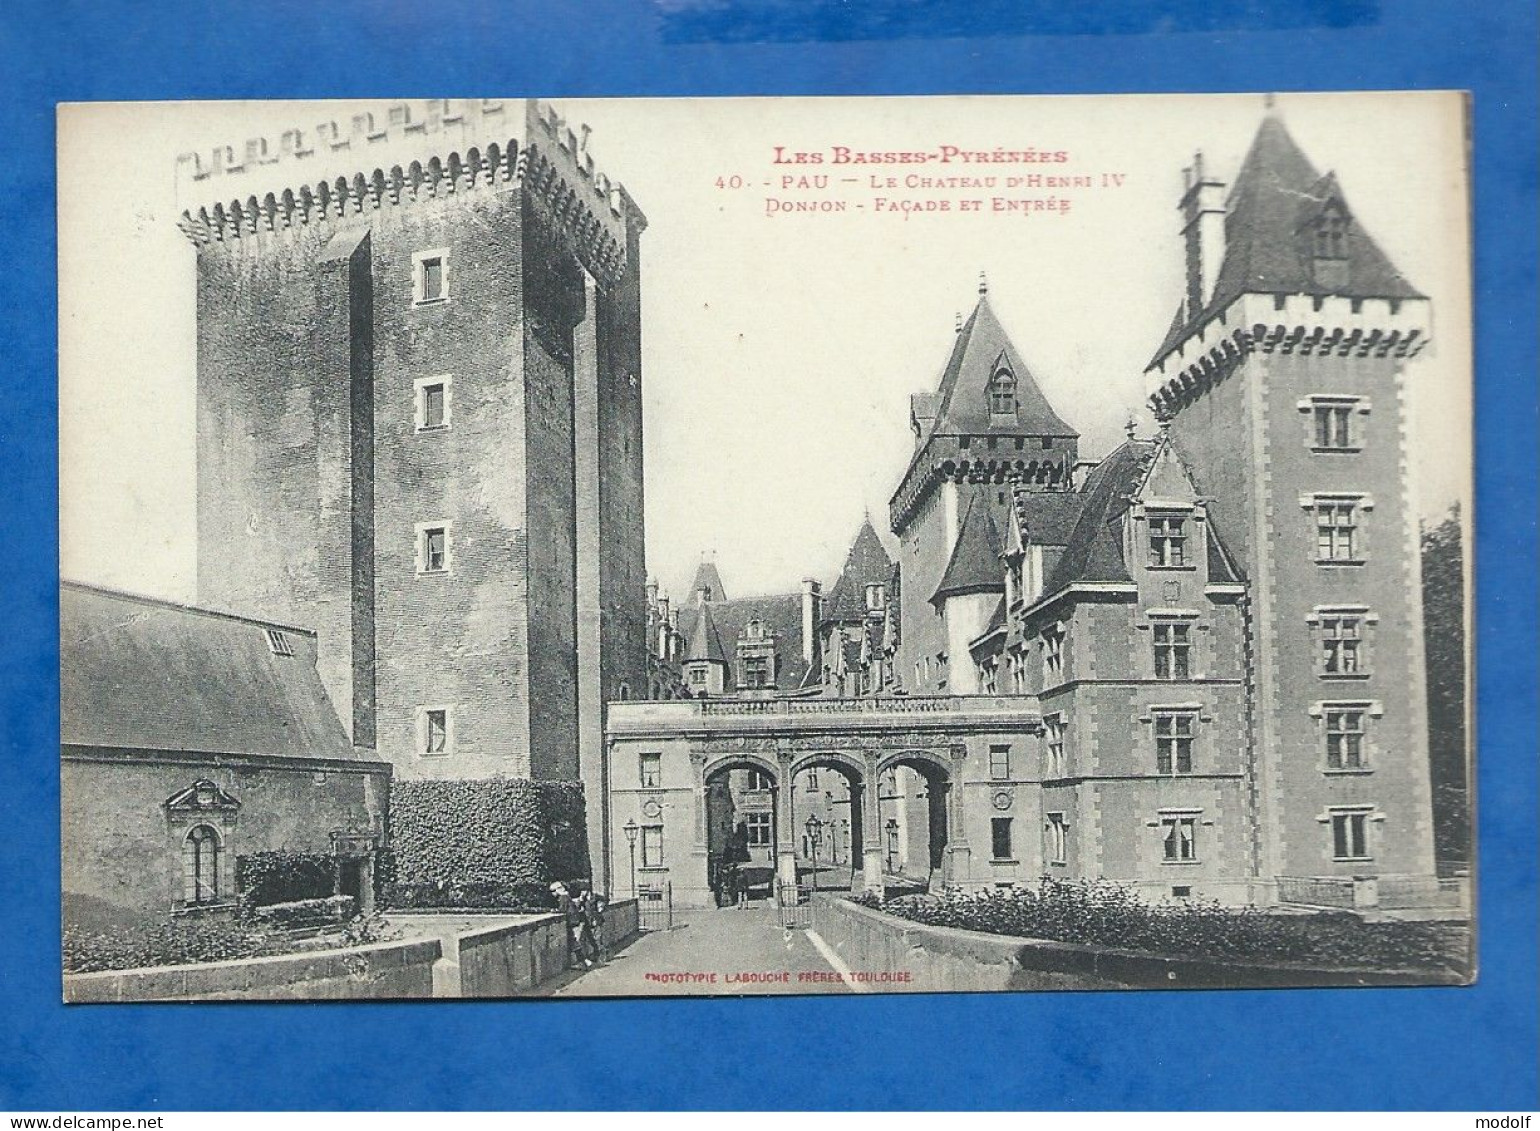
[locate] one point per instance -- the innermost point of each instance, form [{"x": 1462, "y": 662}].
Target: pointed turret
[
  {"x": 705, "y": 641},
  {"x": 986, "y": 386},
  {"x": 867, "y": 565},
  {"x": 707, "y": 585}
]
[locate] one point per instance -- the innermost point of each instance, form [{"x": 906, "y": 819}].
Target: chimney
[
  {"x": 812, "y": 613},
  {"x": 1203, "y": 232}
]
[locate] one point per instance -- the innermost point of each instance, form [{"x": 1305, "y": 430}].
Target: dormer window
[
  {"x": 876, "y": 597},
  {"x": 756, "y": 630},
  {"x": 1331, "y": 235},
  {"x": 1002, "y": 395},
  {"x": 1329, "y": 245},
  {"x": 1168, "y": 541}
]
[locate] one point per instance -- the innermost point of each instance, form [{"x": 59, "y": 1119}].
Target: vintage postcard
[{"x": 646, "y": 547}]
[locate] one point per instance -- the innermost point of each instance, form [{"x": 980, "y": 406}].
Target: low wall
[
  {"x": 499, "y": 961},
  {"x": 382, "y": 970},
  {"x": 511, "y": 959},
  {"x": 942, "y": 958}
]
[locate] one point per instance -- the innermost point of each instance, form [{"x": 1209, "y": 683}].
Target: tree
[{"x": 1443, "y": 611}]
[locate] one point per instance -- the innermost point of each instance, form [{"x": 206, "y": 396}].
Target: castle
[
  {"x": 420, "y": 427},
  {"x": 1194, "y": 666}
]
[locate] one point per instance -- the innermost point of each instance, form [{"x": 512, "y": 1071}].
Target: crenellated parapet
[
  {"x": 1050, "y": 472},
  {"x": 1284, "y": 324},
  {"x": 416, "y": 151}
]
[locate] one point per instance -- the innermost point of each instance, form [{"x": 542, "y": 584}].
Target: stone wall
[
  {"x": 385, "y": 970},
  {"x": 508, "y": 959}
]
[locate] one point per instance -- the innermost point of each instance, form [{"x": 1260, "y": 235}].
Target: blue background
[{"x": 1418, "y": 1049}]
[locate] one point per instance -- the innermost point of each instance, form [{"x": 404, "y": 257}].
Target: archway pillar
[
  {"x": 871, "y": 825},
  {"x": 785, "y": 831},
  {"x": 959, "y": 856}
]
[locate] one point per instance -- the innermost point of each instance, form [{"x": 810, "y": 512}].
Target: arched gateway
[{"x": 858, "y": 794}]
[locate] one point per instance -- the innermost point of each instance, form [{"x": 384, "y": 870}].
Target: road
[{"x": 712, "y": 952}]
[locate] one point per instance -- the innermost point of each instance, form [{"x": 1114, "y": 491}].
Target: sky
[{"x": 780, "y": 346}]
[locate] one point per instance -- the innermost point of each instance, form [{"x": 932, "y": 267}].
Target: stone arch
[{"x": 941, "y": 779}]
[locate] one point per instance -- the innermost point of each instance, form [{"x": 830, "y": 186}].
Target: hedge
[
  {"x": 491, "y": 843},
  {"x": 1102, "y": 913},
  {"x": 265, "y": 878}
]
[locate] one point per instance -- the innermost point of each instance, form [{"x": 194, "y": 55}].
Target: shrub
[
  {"x": 265, "y": 878},
  {"x": 1101, "y": 913},
  {"x": 494, "y": 843},
  {"x": 160, "y": 942}
]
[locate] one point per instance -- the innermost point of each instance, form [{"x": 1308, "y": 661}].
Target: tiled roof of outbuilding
[{"x": 139, "y": 673}]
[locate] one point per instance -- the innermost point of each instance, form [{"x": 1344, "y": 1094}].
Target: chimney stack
[
  {"x": 1203, "y": 232},
  {"x": 812, "y": 613}
]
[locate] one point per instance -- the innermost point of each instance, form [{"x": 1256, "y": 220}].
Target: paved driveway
[{"x": 712, "y": 952}]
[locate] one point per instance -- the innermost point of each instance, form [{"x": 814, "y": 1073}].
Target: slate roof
[
  {"x": 138, "y": 673},
  {"x": 975, "y": 563},
  {"x": 1047, "y": 518},
  {"x": 780, "y": 615},
  {"x": 1095, "y": 548},
  {"x": 866, "y": 564},
  {"x": 1268, "y": 244},
  {"x": 962, "y": 399},
  {"x": 707, "y": 577},
  {"x": 704, "y": 641}
]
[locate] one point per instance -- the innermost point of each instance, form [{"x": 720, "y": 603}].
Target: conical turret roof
[
  {"x": 975, "y": 564},
  {"x": 707, "y": 578},
  {"x": 705, "y": 642},
  {"x": 866, "y": 564}
]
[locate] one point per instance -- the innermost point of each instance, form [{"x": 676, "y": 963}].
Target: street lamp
[
  {"x": 891, "y": 828},
  {"x": 814, "y": 829},
  {"x": 631, "y": 829}
]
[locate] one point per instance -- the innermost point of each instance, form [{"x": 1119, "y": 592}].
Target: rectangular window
[
  {"x": 651, "y": 770},
  {"x": 1058, "y": 839},
  {"x": 433, "y": 548},
  {"x": 278, "y": 643},
  {"x": 1000, "y": 838},
  {"x": 760, "y": 781},
  {"x": 1173, "y": 650},
  {"x": 756, "y": 671},
  {"x": 1174, "y": 732},
  {"x": 435, "y": 730},
  {"x": 1053, "y": 726},
  {"x": 1350, "y": 835},
  {"x": 999, "y": 762},
  {"x": 433, "y": 403},
  {"x": 1168, "y": 540},
  {"x": 812, "y": 781},
  {"x": 1333, "y": 425},
  {"x": 652, "y": 846},
  {"x": 1345, "y": 738},
  {"x": 1336, "y": 530},
  {"x": 430, "y": 276},
  {"x": 1053, "y": 655},
  {"x": 759, "y": 830},
  {"x": 1342, "y": 644},
  {"x": 1179, "y": 839}
]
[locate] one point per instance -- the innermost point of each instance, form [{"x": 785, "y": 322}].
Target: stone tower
[
  {"x": 419, "y": 425},
  {"x": 987, "y": 426},
  {"x": 1283, "y": 384}
]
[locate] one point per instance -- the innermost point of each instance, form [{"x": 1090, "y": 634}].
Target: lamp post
[
  {"x": 814, "y": 829},
  {"x": 631, "y": 829},
  {"x": 891, "y": 828}
]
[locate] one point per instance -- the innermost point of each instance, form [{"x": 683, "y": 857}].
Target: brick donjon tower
[
  {"x": 420, "y": 425},
  {"x": 1283, "y": 383}
]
